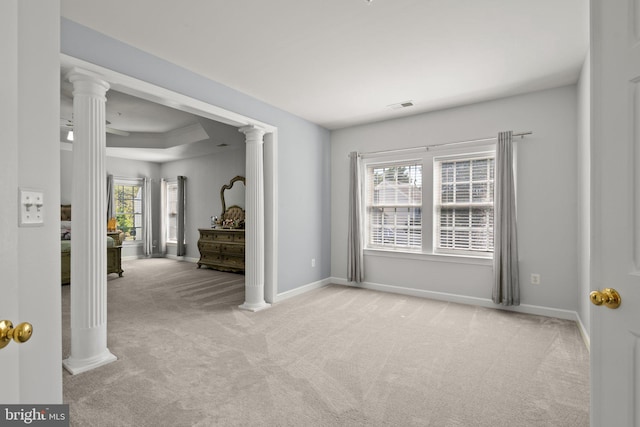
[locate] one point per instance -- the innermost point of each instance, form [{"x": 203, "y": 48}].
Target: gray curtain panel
[
  {"x": 110, "y": 212},
  {"x": 147, "y": 222},
  {"x": 355, "y": 258},
  {"x": 506, "y": 287},
  {"x": 180, "y": 218}
]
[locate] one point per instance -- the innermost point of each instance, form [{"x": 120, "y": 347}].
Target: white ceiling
[{"x": 339, "y": 63}]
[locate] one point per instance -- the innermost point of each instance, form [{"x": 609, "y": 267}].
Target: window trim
[
  {"x": 390, "y": 162},
  {"x": 169, "y": 182},
  {"x": 429, "y": 256},
  {"x": 130, "y": 182},
  {"x": 427, "y": 252},
  {"x": 470, "y": 155}
]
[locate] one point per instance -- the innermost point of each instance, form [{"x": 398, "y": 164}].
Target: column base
[
  {"x": 254, "y": 306},
  {"x": 78, "y": 366}
]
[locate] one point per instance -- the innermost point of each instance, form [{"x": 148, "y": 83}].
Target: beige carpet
[{"x": 336, "y": 356}]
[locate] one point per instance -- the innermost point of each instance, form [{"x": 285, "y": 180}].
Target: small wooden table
[{"x": 115, "y": 235}]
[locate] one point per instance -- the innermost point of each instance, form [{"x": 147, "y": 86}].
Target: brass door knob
[
  {"x": 608, "y": 296},
  {"x": 19, "y": 334}
]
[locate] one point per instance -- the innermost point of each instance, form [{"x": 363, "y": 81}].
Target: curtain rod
[
  {"x": 428, "y": 147},
  {"x": 129, "y": 178}
]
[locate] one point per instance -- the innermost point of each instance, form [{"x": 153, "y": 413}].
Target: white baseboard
[
  {"x": 583, "y": 332},
  {"x": 462, "y": 299},
  {"x": 302, "y": 289}
]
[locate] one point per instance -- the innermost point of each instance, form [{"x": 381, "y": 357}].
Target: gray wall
[
  {"x": 205, "y": 177},
  {"x": 303, "y": 160},
  {"x": 546, "y": 187}
]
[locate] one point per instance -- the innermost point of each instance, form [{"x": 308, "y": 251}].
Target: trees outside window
[{"x": 128, "y": 207}]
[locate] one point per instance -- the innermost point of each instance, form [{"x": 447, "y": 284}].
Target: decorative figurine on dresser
[{"x": 222, "y": 246}]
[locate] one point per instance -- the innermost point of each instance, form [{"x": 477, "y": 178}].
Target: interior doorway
[{"x": 155, "y": 94}]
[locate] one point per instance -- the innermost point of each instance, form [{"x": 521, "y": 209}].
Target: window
[
  {"x": 128, "y": 208},
  {"x": 463, "y": 204},
  {"x": 394, "y": 205},
  {"x": 171, "y": 209},
  {"x": 430, "y": 202}
]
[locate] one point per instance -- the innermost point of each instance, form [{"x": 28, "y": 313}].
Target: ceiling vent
[{"x": 400, "y": 105}]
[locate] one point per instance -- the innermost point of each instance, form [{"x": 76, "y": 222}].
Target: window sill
[{"x": 433, "y": 257}]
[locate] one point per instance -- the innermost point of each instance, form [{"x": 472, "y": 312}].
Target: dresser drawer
[
  {"x": 232, "y": 248},
  {"x": 231, "y": 261},
  {"x": 212, "y": 236},
  {"x": 211, "y": 257},
  {"x": 208, "y": 246},
  {"x": 222, "y": 235}
]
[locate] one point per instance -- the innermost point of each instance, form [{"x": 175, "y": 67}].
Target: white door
[
  {"x": 9, "y": 205},
  {"x": 29, "y": 159},
  {"x": 615, "y": 138}
]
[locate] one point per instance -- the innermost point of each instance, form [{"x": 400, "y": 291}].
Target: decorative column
[
  {"x": 254, "y": 221},
  {"x": 88, "y": 254}
]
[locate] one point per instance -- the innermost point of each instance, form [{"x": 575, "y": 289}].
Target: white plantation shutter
[
  {"x": 394, "y": 205},
  {"x": 463, "y": 201}
]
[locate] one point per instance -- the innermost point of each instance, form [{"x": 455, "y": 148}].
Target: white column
[
  {"x": 89, "y": 226},
  {"x": 254, "y": 221}
]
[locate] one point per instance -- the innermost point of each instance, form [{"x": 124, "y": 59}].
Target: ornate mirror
[{"x": 232, "y": 194}]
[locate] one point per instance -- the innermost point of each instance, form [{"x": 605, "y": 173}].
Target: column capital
[
  {"x": 87, "y": 82},
  {"x": 253, "y": 133}
]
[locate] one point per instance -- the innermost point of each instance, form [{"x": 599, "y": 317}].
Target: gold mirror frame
[{"x": 228, "y": 187}]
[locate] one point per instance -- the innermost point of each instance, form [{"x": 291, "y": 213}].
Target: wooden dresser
[{"x": 222, "y": 249}]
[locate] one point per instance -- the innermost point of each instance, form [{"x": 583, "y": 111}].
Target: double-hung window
[
  {"x": 463, "y": 204},
  {"x": 129, "y": 207},
  {"x": 171, "y": 209},
  {"x": 393, "y": 204}
]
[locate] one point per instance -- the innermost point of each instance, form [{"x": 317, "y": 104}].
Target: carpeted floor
[{"x": 335, "y": 356}]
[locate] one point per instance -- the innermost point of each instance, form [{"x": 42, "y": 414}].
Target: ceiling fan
[
  {"x": 66, "y": 125},
  {"x": 66, "y": 118}
]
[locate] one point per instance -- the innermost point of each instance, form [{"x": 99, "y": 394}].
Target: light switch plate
[{"x": 31, "y": 206}]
